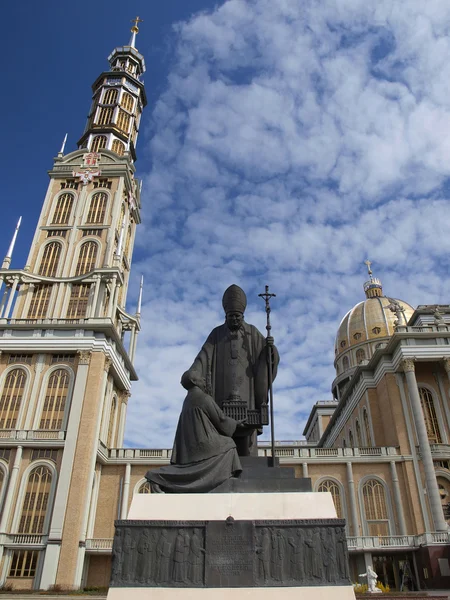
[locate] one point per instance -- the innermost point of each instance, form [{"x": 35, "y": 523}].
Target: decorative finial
[
  {"x": 373, "y": 287},
  {"x": 134, "y": 31},
  {"x": 63, "y": 145},
  {"x": 139, "y": 304},
  {"x": 7, "y": 259}
]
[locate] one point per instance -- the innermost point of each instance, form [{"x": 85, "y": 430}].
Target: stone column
[
  {"x": 53, "y": 549},
  {"x": 112, "y": 294},
  {"x": 398, "y": 499},
  {"x": 123, "y": 416},
  {"x": 126, "y": 492},
  {"x": 11, "y": 297},
  {"x": 305, "y": 469},
  {"x": 10, "y": 495},
  {"x": 424, "y": 447},
  {"x": 93, "y": 311},
  {"x": 352, "y": 501}
]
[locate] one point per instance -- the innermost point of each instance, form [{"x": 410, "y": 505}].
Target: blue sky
[{"x": 284, "y": 143}]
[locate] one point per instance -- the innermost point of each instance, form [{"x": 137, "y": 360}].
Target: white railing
[
  {"x": 370, "y": 451},
  {"x": 326, "y": 451},
  {"x": 23, "y": 434},
  {"x": 26, "y": 539},
  {"x": 439, "y": 448},
  {"x": 397, "y": 541},
  {"x": 99, "y": 544}
]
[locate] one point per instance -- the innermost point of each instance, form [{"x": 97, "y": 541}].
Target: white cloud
[{"x": 292, "y": 141}]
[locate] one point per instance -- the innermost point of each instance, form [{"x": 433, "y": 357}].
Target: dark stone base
[
  {"x": 258, "y": 475},
  {"x": 234, "y": 554}
]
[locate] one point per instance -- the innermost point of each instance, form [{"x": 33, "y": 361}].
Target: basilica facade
[{"x": 380, "y": 445}]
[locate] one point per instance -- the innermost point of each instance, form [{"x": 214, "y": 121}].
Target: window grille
[
  {"x": 118, "y": 147},
  {"x": 78, "y": 301},
  {"x": 50, "y": 259},
  {"x": 86, "y": 258},
  {"x": 63, "y": 209},
  {"x": 123, "y": 121},
  {"x": 66, "y": 358},
  {"x": 20, "y": 358},
  {"x": 103, "y": 183},
  {"x": 110, "y": 96},
  {"x": 331, "y": 486},
  {"x": 69, "y": 184},
  {"x": 35, "y": 502},
  {"x": 39, "y": 302},
  {"x": 98, "y": 143},
  {"x": 37, "y": 454},
  {"x": 105, "y": 116},
  {"x": 97, "y": 208},
  {"x": 429, "y": 413},
  {"x": 96, "y": 232},
  {"x": 24, "y": 563},
  {"x": 11, "y": 398},
  {"x": 375, "y": 508},
  {"x": 145, "y": 488},
  {"x": 127, "y": 102},
  {"x": 57, "y": 233},
  {"x": 55, "y": 400}
]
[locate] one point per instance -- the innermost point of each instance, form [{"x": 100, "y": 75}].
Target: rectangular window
[
  {"x": 103, "y": 183},
  {"x": 57, "y": 233},
  {"x": 78, "y": 301},
  {"x": 71, "y": 184},
  {"x": 20, "y": 358},
  {"x": 44, "y": 453},
  {"x": 96, "y": 232},
  {"x": 39, "y": 302},
  {"x": 24, "y": 563},
  {"x": 63, "y": 358}
]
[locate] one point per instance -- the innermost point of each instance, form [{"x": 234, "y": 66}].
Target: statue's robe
[
  {"x": 204, "y": 454},
  {"x": 245, "y": 350},
  {"x": 237, "y": 362}
]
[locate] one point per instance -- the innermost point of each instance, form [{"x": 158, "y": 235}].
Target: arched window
[
  {"x": 360, "y": 356},
  {"x": 110, "y": 96},
  {"x": 11, "y": 398},
  {"x": 350, "y": 439},
  {"x": 98, "y": 143},
  {"x": 97, "y": 208},
  {"x": 331, "y": 486},
  {"x": 39, "y": 302},
  {"x": 50, "y": 259},
  {"x": 429, "y": 413},
  {"x": 367, "y": 428},
  {"x": 144, "y": 488},
  {"x": 127, "y": 101},
  {"x": 23, "y": 563},
  {"x": 105, "y": 116},
  {"x": 345, "y": 363},
  {"x": 86, "y": 258},
  {"x": 63, "y": 209},
  {"x": 358, "y": 435},
  {"x": 112, "y": 416},
  {"x": 55, "y": 400},
  {"x": 78, "y": 301},
  {"x": 375, "y": 508},
  {"x": 36, "y": 501},
  {"x": 127, "y": 242},
  {"x": 123, "y": 121},
  {"x": 118, "y": 147}
]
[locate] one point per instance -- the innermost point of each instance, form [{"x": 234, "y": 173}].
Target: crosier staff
[{"x": 269, "y": 342}]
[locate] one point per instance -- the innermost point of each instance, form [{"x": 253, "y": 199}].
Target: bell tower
[{"x": 67, "y": 342}]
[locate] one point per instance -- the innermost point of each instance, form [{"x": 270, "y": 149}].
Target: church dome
[{"x": 368, "y": 326}]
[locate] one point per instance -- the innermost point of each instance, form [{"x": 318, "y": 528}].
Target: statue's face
[
  {"x": 234, "y": 320},
  {"x": 199, "y": 382}
]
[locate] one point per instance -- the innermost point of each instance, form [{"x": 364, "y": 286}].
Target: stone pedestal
[{"x": 260, "y": 545}]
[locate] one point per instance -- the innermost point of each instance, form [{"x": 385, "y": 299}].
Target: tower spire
[
  {"x": 7, "y": 259},
  {"x": 134, "y": 31},
  {"x": 139, "y": 304}
]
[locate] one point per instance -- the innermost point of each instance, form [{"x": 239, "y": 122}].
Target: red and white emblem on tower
[
  {"x": 91, "y": 159},
  {"x": 87, "y": 175}
]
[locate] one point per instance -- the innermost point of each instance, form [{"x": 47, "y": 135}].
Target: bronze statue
[
  {"x": 204, "y": 454},
  {"x": 234, "y": 362}
]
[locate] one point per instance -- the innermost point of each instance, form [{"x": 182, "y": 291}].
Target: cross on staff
[
  {"x": 266, "y": 297},
  {"x": 368, "y": 264},
  {"x": 136, "y": 21}
]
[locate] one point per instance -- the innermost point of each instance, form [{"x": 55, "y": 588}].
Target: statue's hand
[
  {"x": 269, "y": 341},
  {"x": 241, "y": 424}
]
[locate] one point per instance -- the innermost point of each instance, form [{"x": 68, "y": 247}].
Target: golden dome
[
  {"x": 367, "y": 325},
  {"x": 369, "y": 320}
]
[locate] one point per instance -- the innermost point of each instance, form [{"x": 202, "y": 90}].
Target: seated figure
[{"x": 204, "y": 453}]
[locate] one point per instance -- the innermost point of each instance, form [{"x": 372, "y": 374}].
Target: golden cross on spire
[
  {"x": 136, "y": 21},
  {"x": 368, "y": 263}
]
